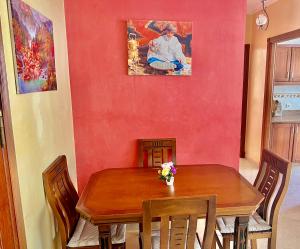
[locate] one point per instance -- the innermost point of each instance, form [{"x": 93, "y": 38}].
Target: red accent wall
[{"x": 111, "y": 109}]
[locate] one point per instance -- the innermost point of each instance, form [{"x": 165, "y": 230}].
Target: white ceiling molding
[
  {"x": 291, "y": 42},
  {"x": 255, "y": 5}
]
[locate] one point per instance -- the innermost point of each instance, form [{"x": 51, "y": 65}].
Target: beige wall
[
  {"x": 284, "y": 17},
  {"x": 42, "y": 127},
  {"x": 249, "y": 22}
]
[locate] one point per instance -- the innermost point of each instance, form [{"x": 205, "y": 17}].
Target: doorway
[
  {"x": 281, "y": 117},
  {"x": 12, "y": 234}
]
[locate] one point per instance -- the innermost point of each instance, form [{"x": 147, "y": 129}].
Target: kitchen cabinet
[
  {"x": 282, "y": 64},
  {"x": 295, "y": 65},
  {"x": 287, "y": 65},
  {"x": 285, "y": 140},
  {"x": 296, "y": 145},
  {"x": 281, "y": 140}
]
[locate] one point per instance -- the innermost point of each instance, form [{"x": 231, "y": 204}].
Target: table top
[{"x": 116, "y": 195}]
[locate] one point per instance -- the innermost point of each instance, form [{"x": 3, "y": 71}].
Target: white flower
[
  {"x": 167, "y": 165},
  {"x": 171, "y": 164}
]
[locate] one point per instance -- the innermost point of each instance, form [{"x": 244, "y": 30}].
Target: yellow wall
[
  {"x": 42, "y": 127},
  {"x": 284, "y": 17}
]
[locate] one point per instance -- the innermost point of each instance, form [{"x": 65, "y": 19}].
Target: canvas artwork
[
  {"x": 34, "y": 49},
  {"x": 159, "y": 47}
]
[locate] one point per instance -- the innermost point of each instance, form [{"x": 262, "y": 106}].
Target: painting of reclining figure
[{"x": 159, "y": 47}]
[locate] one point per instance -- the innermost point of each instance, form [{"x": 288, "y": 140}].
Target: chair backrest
[
  {"x": 62, "y": 197},
  {"x": 154, "y": 152},
  {"x": 183, "y": 214},
  {"x": 272, "y": 181}
]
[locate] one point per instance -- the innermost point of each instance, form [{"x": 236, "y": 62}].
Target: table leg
[
  {"x": 104, "y": 236},
  {"x": 241, "y": 232}
]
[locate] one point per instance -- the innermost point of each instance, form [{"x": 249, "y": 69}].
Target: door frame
[
  {"x": 266, "y": 125},
  {"x": 244, "y": 100},
  {"x": 10, "y": 166}
]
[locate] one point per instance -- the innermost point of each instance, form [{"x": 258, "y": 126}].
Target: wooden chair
[
  {"x": 75, "y": 232},
  {"x": 272, "y": 181},
  {"x": 178, "y": 222},
  {"x": 154, "y": 152}
]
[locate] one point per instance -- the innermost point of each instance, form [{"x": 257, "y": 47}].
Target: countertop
[{"x": 287, "y": 117}]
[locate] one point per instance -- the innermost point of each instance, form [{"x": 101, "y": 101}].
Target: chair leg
[
  {"x": 253, "y": 244},
  {"x": 140, "y": 242},
  {"x": 119, "y": 246},
  {"x": 140, "y": 239},
  {"x": 226, "y": 243},
  {"x": 140, "y": 227},
  {"x": 198, "y": 239},
  {"x": 272, "y": 243},
  {"x": 218, "y": 241}
]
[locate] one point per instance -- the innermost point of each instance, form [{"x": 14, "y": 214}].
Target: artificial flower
[{"x": 168, "y": 170}]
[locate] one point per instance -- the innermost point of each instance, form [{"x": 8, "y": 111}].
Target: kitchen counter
[{"x": 287, "y": 117}]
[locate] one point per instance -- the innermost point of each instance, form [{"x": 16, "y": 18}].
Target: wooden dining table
[{"x": 116, "y": 195}]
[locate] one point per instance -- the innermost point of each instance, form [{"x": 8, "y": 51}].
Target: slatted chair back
[
  {"x": 272, "y": 181},
  {"x": 62, "y": 197},
  {"x": 183, "y": 214},
  {"x": 154, "y": 152}
]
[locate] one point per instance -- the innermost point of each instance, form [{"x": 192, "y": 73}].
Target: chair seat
[
  {"x": 86, "y": 234},
  {"x": 155, "y": 240},
  {"x": 256, "y": 224}
]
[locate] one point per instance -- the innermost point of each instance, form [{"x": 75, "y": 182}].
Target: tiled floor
[{"x": 289, "y": 218}]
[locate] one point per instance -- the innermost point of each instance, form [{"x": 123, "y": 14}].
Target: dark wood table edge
[{"x": 92, "y": 178}]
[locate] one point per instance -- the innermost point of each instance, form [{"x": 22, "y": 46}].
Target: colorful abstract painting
[
  {"x": 34, "y": 49},
  {"x": 159, "y": 47}
]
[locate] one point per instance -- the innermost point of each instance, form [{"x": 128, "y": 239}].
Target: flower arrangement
[{"x": 167, "y": 172}]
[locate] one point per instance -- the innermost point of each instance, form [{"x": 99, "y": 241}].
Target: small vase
[{"x": 171, "y": 182}]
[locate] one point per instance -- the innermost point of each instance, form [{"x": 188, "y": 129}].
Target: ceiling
[{"x": 255, "y": 5}]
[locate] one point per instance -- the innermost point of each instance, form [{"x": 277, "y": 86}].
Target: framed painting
[
  {"x": 159, "y": 47},
  {"x": 33, "y": 50}
]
